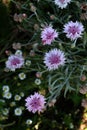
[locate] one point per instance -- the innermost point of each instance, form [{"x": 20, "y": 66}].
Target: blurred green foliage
[{"x": 5, "y": 25}]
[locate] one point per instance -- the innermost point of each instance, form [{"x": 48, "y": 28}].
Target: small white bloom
[
  {"x": 71, "y": 125},
  {"x": 21, "y": 94},
  {"x": 62, "y": 3},
  {"x": 28, "y": 122},
  {"x": 28, "y": 63},
  {"x": 5, "y": 88},
  {"x": 7, "y": 95},
  {"x": 17, "y": 97},
  {"x": 5, "y": 111},
  {"x": 18, "y": 52},
  {"x": 37, "y": 81},
  {"x": 18, "y": 111},
  {"x": 22, "y": 76}
]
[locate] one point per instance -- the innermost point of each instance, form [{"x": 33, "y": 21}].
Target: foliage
[{"x": 21, "y": 26}]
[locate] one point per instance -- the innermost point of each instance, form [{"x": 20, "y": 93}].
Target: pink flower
[
  {"x": 14, "y": 62},
  {"x": 48, "y": 35},
  {"x": 35, "y": 103},
  {"x": 73, "y": 30},
  {"x": 54, "y": 58},
  {"x": 62, "y": 3}
]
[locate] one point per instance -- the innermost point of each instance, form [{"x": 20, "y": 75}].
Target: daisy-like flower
[
  {"x": 14, "y": 62},
  {"x": 73, "y": 30},
  {"x": 17, "y": 97},
  {"x": 7, "y": 95},
  {"x": 54, "y": 58},
  {"x": 28, "y": 63},
  {"x": 22, "y": 76},
  {"x": 18, "y": 52},
  {"x": 48, "y": 35},
  {"x": 5, "y": 111},
  {"x": 62, "y": 3},
  {"x": 28, "y": 122},
  {"x": 18, "y": 111},
  {"x": 37, "y": 81},
  {"x": 5, "y": 88},
  {"x": 35, "y": 103}
]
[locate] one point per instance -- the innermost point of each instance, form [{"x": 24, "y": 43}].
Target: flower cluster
[{"x": 47, "y": 59}]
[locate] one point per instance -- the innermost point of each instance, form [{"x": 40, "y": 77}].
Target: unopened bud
[
  {"x": 32, "y": 53},
  {"x": 52, "y": 17},
  {"x": 38, "y": 74},
  {"x": 36, "y": 26},
  {"x": 33, "y": 8},
  {"x": 83, "y": 78}
]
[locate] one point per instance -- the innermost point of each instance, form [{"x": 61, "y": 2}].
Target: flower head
[
  {"x": 62, "y": 3},
  {"x": 7, "y": 95},
  {"x": 14, "y": 62},
  {"x": 54, "y": 58},
  {"x": 35, "y": 103},
  {"x": 22, "y": 76},
  {"x": 5, "y": 111},
  {"x": 28, "y": 63},
  {"x": 48, "y": 35},
  {"x": 18, "y": 111},
  {"x": 18, "y": 52},
  {"x": 37, "y": 81},
  {"x": 5, "y": 88},
  {"x": 28, "y": 122},
  {"x": 17, "y": 97},
  {"x": 73, "y": 30}
]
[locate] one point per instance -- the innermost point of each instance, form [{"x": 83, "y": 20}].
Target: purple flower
[
  {"x": 14, "y": 62},
  {"x": 54, "y": 58},
  {"x": 73, "y": 30},
  {"x": 48, "y": 35},
  {"x": 62, "y": 3},
  {"x": 35, "y": 103}
]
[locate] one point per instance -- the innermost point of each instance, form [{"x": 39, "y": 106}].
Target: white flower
[
  {"x": 62, "y": 3},
  {"x": 17, "y": 97},
  {"x": 28, "y": 63},
  {"x": 5, "y": 111},
  {"x": 5, "y": 88},
  {"x": 7, "y": 95},
  {"x": 18, "y": 111},
  {"x": 28, "y": 122},
  {"x": 22, "y": 76},
  {"x": 37, "y": 81},
  {"x": 18, "y": 52},
  {"x": 71, "y": 125}
]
